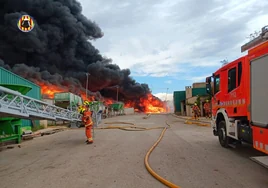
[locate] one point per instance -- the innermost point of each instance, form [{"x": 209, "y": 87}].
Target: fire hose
[
  {"x": 150, "y": 170},
  {"x": 132, "y": 127}
]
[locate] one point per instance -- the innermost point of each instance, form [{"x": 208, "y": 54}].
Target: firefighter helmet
[
  {"x": 81, "y": 109},
  {"x": 86, "y": 103}
]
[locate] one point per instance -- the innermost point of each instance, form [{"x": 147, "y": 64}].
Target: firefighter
[
  {"x": 196, "y": 111},
  {"x": 207, "y": 109},
  {"x": 88, "y": 122}
]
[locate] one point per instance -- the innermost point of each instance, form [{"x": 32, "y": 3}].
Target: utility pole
[
  {"x": 166, "y": 94},
  {"x": 117, "y": 87},
  {"x": 87, "y": 74},
  {"x": 166, "y": 101}
]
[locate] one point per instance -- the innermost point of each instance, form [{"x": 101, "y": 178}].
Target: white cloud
[
  {"x": 197, "y": 78},
  {"x": 164, "y": 37},
  {"x": 168, "y": 97},
  {"x": 168, "y": 81},
  {"x": 258, "y": 22},
  {"x": 164, "y": 96}
]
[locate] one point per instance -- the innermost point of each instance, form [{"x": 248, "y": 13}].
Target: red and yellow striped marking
[{"x": 26, "y": 29}]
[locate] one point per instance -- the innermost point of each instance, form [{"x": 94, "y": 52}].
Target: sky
[{"x": 170, "y": 44}]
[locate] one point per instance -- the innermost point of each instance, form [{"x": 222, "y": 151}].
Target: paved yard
[{"x": 188, "y": 155}]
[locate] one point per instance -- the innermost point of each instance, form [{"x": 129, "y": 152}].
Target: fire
[
  {"x": 108, "y": 101},
  {"x": 48, "y": 89},
  {"x": 148, "y": 104},
  {"x": 129, "y": 104},
  {"x": 88, "y": 98},
  {"x": 153, "y": 105}
]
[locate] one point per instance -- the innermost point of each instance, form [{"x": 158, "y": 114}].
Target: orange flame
[
  {"x": 108, "y": 101},
  {"x": 48, "y": 89},
  {"x": 88, "y": 98},
  {"x": 148, "y": 104},
  {"x": 153, "y": 105}
]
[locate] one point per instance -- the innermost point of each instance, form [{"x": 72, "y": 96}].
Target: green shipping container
[
  {"x": 7, "y": 77},
  {"x": 199, "y": 91},
  {"x": 117, "y": 106},
  {"x": 178, "y": 96},
  {"x": 65, "y": 99}
]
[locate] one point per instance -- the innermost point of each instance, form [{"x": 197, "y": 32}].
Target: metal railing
[
  {"x": 14, "y": 104},
  {"x": 256, "y": 41}
]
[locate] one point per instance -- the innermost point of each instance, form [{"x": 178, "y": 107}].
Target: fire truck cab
[{"x": 239, "y": 91}]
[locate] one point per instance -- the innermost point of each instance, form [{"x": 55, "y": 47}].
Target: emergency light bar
[{"x": 261, "y": 38}]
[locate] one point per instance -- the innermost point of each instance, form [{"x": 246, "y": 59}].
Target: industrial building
[
  {"x": 8, "y": 125},
  {"x": 183, "y": 100}
]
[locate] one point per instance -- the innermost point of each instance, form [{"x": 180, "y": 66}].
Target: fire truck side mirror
[
  {"x": 208, "y": 80},
  {"x": 208, "y": 85},
  {"x": 208, "y": 88}
]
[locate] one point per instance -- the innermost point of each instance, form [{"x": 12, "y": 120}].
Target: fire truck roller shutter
[{"x": 259, "y": 91}]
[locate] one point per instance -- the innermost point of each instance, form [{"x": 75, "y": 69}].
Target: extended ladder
[{"x": 14, "y": 104}]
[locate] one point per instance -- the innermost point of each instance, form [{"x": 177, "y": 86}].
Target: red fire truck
[{"x": 239, "y": 91}]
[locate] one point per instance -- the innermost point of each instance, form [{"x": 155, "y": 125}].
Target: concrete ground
[{"x": 189, "y": 156}]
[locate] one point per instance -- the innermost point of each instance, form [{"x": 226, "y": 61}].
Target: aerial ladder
[{"x": 15, "y": 105}]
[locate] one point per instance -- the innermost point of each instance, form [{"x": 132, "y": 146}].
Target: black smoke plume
[{"x": 58, "y": 50}]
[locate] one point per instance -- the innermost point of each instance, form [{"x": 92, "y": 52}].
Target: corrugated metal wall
[
  {"x": 7, "y": 77},
  {"x": 178, "y": 96}
]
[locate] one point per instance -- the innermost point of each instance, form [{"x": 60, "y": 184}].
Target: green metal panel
[
  {"x": 178, "y": 96},
  {"x": 66, "y": 99},
  {"x": 62, "y": 96},
  {"x": 7, "y": 77},
  {"x": 117, "y": 106},
  {"x": 20, "y": 88},
  {"x": 77, "y": 100},
  {"x": 10, "y": 129},
  {"x": 27, "y": 124},
  {"x": 199, "y": 91}
]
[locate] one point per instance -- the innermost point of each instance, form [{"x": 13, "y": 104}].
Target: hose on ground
[
  {"x": 188, "y": 121},
  {"x": 132, "y": 127},
  {"x": 147, "y": 116},
  {"x": 150, "y": 170}
]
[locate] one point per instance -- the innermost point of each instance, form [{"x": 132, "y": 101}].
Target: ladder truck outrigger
[{"x": 239, "y": 92}]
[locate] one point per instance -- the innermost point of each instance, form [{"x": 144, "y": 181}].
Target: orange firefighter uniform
[
  {"x": 87, "y": 120},
  {"x": 196, "y": 111},
  {"x": 88, "y": 125},
  {"x": 207, "y": 109}
]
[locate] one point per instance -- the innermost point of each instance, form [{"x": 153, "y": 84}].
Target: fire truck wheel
[{"x": 223, "y": 138}]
